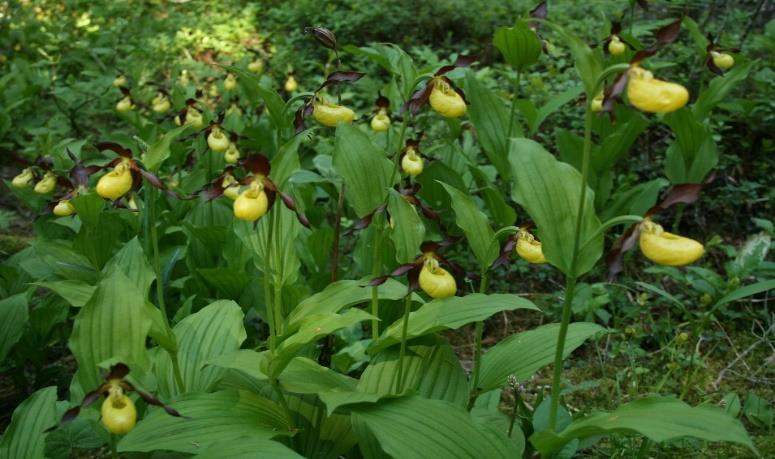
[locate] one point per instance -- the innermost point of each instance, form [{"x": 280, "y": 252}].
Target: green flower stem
[
  {"x": 570, "y": 280},
  {"x": 397, "y": 158},
  {"x": 514, "y": 98},
  {"x": 375, "y": 270},
  {"x": 402, "y": 353},
  {"x": 113, "y": 450},
  {"x": 278, "y": 285},
  {"x": 150, "y": 205},
  {"x": 283, "y": 402},
  {"x": 268, "y": 303},
  {"x": 478, "y": 331}
]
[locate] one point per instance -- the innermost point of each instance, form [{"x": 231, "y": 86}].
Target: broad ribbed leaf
[
  {"x": 550, "y": 191},
  {"x": 363, "y": 167},
  {"x": 247, "y": 361},
  {"x": 588, "y": 64},
  {"x": 343, "y": 294},
  {"x": 658, "y": 418},
  {"x": 13, "y": 320},
  {"x": 519, "y": 45},
  {"x": 475, "y": 226},
  {"x": 311, "y": 329},
  {"x": 491, "y": 118},
  {"x": 524, "y": 353},
  {"x": 258, "y": 93},
  {"x": 719, "y": 88},
  {"x": 132, "y": 262},
  {"x": 554, "y": 104},
  {"x": 450, "y": 313},
  {"x": 408, "y": 230},
  {"x": 420, "y": 428},
  {"x": 160, "y": 151},
  {"x": 215, "y": 330},
  {"x": 431, "y": 369},
  {"x": 25, "y": 437},
  {"x": 76, "y": 293},
  {"x": 305, "y": 376},
  {"x": 209, "y": 418},
  {"x": 248, "y": 448},
  {"x": 113, "y": 324}
]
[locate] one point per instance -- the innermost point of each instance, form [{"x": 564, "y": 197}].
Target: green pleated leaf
[
  {"x": 475, "y": 226},
  {"x": 694, "y": 153},
  {"x": 220, "y": 417},
  {"x": 215, "y": 330},
  {"x": 305, "y": 376},
  {"x": 132, "y": 262},
  {"x": 76, "y": 293},
  {"x": 519, "y": 45},
  {"x": 524, "y": 353},
  {"x": 114, "y": 324},
  {"x": 426, "y": 365},
  {"x": 550, "y": 192},
  {"x": 408, "y": 230},
  {"x": 247, "y": 361},
  {"x": 363, "y": 167},
  {"x": 420, "y": 428},
  {"x": 259, "y": 93},
  {"x": 13, "y": 320},
  {"x": 719, "y": 88},
  {"x": 248, "y": 448},
  {"x": 311, "y": 329},
  {"x": 319, "y": 435},
  {"x": 658, "y": 418},
  {"x": 450, "y": 313},
  {"x": 229, "y": 282},
  {"x": 25, "y": 437},
  {"x": 555, "y": 103},
  {"x": 343, "y": 294},
  {"x": 491, "y": 118},
  {"x": 589, "y": 64},
  {"x": 160, "y": 150}
]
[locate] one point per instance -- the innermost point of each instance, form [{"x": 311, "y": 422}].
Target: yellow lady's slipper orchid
[
  {"x": 230, "y": 187},
  {"x": 616, "y": 47},
  {"x": 217, "y": 140},
  {"x": 529, "y": 248},
  {"x": 232, "y": 154},
  {"x": 668, "y": 249},
  {"x": 412, "y": 163},
  {"x": 597, "y": 103},
  {"x": 115, "y": 183},
  {"x": 125, "y": 105},
  {"x": 380, "y": 122},
  {"x": 230, "y": 83},
  {"x": 290, "y": 84},
  {"x": 160, "y": 103},
  {"x": 47, "y": 184},
  {"x": 436, "y": 281},
  {"x": 118, "y": 411},
  {"x": 23, "y": 179},
  {"x": 252, "y": 203},
  {"x": 329, "y": 114},
  {"x": 64, "y": 208},
  {"x": 652, "y": 95},
  {"x": 723, "y": 61},
  {"x": 119, "y": 81},
  {"x": 445, "y": 101},
  {"x": 257, "y": 66}
]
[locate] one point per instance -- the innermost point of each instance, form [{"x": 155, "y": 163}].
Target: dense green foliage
[{"x": 295, "y": 334}]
